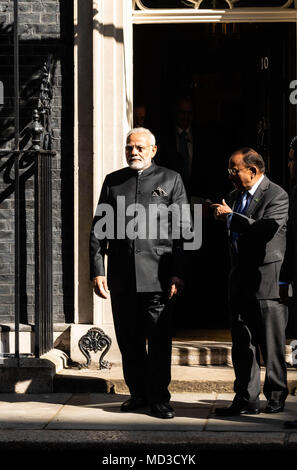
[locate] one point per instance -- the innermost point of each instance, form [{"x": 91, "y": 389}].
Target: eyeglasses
[
  {"x": 235, "y": 171},
  {"x": 139, "y": 148}
]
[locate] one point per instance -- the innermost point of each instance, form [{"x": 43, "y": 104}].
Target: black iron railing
[
  {"x": 16, "y": 178},
  {"x": 43, "y": 253},
  {"x": 41, "y": 151}
]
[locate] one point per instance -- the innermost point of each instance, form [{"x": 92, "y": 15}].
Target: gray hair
[
  {"x": 251, "y": 157},
  {"x": 143, "y": 130}
]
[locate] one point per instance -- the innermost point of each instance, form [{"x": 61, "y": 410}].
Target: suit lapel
[
  {"x": 232, "y": 198},
  {"x": 257, "y": 196}
]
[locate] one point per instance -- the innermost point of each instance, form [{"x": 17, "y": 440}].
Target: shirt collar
[
  {"x": 145, "y": 172},
  {"x": 255, "y": 186}
]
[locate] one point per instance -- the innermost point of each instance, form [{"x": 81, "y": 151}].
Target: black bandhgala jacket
[{"x": 145, "y": 263}]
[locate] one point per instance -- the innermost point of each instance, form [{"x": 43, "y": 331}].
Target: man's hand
[
  {"x": 176, "y": 286},
  {"x": 221, "y": 210},
  {"x": 100, "y": 287}
]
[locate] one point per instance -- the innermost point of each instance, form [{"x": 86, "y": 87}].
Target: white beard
[{"x": 139, "y": 164}]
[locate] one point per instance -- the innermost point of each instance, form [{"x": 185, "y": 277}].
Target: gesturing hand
[{"x": 221, "y": 210}]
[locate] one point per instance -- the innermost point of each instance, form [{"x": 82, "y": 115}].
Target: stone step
[
  {"x": 202, "y": 379},
  {"x": 205, "y": 353},
  {"x": 209, "y": 353},
  {"x": 201, "y": 365},
  {"x": 195, "y": 353}
]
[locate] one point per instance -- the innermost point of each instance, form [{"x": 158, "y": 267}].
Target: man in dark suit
[
  {"x": 178, "y": 147},
  {"x": 256, "y": 214},
  {"x": 146, "y": 267}
]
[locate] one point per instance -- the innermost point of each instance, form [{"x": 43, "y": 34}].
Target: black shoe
[
  {"x": 162, "y": 410},
  {"x": 274, "y": 407},
  {"x": 237, "y": 409},
  {"x": 133, "y": 404},
  {"x": 291, "y": 424}
]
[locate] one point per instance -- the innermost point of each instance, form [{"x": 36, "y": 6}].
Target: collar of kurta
[{"x": 147, "y": 171}]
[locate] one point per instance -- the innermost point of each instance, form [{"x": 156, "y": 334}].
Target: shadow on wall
[
  {"x": 33, "y": 54},
  {"x": 37, "y": 41}
]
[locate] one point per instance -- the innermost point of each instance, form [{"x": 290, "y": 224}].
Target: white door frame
[{"x": 234, "y": 15}]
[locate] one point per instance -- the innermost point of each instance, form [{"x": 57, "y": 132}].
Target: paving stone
[
  {"x": 262, "y": 423},
  {"x": 94, "y": 425},
  {"x": 21, "y": 411},
  {"x": 102, "y": 411}
]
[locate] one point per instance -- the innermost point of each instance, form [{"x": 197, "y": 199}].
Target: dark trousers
[
  {"x": 259, "y": 325},
  {"x": 143, "y": 325}
]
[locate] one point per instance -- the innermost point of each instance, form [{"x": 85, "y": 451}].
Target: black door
[{"x": 239, "y": 78}]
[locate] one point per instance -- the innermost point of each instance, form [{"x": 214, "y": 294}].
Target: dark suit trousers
[
  {"x": 143, "y": 325},
  {"x": 259, "y": 325}
]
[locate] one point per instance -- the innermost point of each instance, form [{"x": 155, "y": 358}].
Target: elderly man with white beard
[{"x": 145, "y": 272}]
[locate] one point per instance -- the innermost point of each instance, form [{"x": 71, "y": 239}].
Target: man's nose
[{"x": 134, "y": 150}]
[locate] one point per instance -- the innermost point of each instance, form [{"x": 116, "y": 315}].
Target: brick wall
[{"x": 46, "y": 27}]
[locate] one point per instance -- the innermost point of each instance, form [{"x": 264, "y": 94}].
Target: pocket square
[{"x": 159, "y": 192}]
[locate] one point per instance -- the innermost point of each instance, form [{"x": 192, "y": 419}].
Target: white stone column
[
  {"x": 106, "y": 119},
  {"x": 112, "y": 72},
  {"x": 83, "y": 158}
]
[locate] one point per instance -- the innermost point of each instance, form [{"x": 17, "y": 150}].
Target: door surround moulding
[{"x": 236, "y": 15}]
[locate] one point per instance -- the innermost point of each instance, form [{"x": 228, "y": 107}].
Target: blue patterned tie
[
  {"x": 240, "y": 207},
  {"x": 242, "y": 203}
]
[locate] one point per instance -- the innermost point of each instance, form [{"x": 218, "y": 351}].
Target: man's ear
[
  {"x": 253, "y": 170},
  {"x": 154, "y": 150}
]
